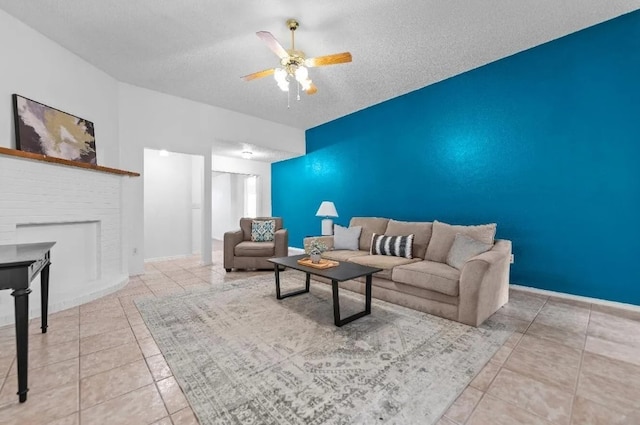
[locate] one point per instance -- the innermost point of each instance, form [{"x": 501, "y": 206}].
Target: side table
[{"x": 19, "y": 265}]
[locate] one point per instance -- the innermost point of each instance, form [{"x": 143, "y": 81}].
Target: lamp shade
[{"x": 327, "y": 209}]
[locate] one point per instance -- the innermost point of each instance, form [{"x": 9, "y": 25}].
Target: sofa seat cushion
[
  {"x": 431, "y": 275},
  {"x": 255, "y": 249},
  {"x": 342, "y": 254},
  {"x": 414, "y": 291},
  {"x": 384, "y": 262}
]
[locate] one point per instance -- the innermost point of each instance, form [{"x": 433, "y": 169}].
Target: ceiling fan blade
[
  {"x": 273, "y": 44},
  {"x": 328, "y": 60},
  {"x": 312, "y": 89},
  {"x": 259, "y": 74}
]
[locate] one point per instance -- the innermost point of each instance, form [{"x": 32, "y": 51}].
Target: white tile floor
[{"x": 568, "y": 364}]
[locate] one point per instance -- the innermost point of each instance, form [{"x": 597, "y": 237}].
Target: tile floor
[{"x": 567, "y": 364}]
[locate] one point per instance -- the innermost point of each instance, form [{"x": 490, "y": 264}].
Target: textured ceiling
[
  {"x": 258, "y": 153},
  {"x": 199, "y": 49}
]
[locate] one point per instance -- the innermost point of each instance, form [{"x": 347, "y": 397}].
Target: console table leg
[
  {"x": 308, "y": 282},
  {"x": 44, "y": 298},
  {"x": 21, "y": 299}
]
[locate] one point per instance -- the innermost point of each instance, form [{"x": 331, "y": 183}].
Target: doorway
[{"x": 234, "y": 195}]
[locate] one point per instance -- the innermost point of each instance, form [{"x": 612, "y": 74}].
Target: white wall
[
  {"x": 127, "y": 119},
  {"x": 154, "y": 120},
  {"x": 250, "y": 167},
  {"x": 71, "y": 205},
  {"x": 35, "y": 67},
  {"x": 221, "y": 205},
  {"x": 77, "y": 209},
  {"x": 168, "y": 221},
  {"x": 197, "y": 193}
]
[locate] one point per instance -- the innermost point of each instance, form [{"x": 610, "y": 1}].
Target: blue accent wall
[{"x": 546, "y": 143}]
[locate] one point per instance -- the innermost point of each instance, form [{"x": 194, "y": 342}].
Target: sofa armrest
[
  {"x": 328, "y": 241},
  {"x": 231, "y": 239},
  {"x": 484, "y": 284},
  {"x": 281, "y": 239}
]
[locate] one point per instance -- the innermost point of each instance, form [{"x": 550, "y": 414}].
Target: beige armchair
[{"x": 242, "y": 253}]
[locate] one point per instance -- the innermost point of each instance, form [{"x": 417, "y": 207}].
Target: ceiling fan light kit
[{"x": 294, "y": 63}]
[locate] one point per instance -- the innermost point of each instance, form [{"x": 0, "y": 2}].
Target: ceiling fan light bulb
[
  {"x": 280, "y": 76},
  {"x": 302, "y": 74},
  {"x": 306, "y": 84}
]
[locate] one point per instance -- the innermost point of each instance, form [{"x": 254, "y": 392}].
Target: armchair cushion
[{"x": 255, "y": 249}]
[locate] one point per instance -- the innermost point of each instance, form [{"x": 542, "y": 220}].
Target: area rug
[{"x": 243, "y": 357}]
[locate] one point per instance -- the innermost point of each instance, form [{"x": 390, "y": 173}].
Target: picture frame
[{"x": 48, "y": 131}]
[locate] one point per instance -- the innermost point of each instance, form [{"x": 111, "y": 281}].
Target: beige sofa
[
  {"x": 425, "y": 282},
  {"x": 241, "y": 253}
]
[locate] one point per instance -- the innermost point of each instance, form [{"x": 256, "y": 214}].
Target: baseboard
[
  {"x": 172, "y": 257},
  {"x": 112, "y": 285},
  {"x": 295, "y": 251},
  {"x": 578, "y": 298}
]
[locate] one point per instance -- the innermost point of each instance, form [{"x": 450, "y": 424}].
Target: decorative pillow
[
  {"x": 421, "y": 230},
  {"x": 397, "y": 246},
  {"x": 444, "y": 234},
  {"x": 346, "y": 237},
  {"x": 463, "y": 248},
  {"x": 263, "y": 230}
]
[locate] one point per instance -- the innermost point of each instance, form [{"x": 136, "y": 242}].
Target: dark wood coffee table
[{"x": 344, "y": 271}]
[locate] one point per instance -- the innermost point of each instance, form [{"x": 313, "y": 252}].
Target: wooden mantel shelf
[{"x": 38, "y": 157}]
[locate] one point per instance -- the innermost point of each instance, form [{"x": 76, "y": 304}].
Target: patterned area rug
[{"x": 243, "y": 357}]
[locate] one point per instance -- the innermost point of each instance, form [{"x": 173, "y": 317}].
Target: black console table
[{"x": 19, "y": 264}]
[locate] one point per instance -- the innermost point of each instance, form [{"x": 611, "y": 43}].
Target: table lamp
[{"x": 326, "y": 210}]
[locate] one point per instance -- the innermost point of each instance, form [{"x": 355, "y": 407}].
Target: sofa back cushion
[
  {"x": 370, "y": 225},
  {"x": 420, "y": 230},
  {"x": 444, "y": 234},
  {"x": 245, "y": 225}
]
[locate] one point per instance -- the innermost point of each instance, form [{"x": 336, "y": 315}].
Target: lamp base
[{"x": 327, "y": 227}]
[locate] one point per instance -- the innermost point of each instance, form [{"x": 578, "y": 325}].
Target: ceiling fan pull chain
[
  {"x": 288, "y": 97},
  {"x": 298, "y": 85}
]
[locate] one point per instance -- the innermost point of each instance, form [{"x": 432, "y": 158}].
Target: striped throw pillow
[{"x": 397, "y": 246}]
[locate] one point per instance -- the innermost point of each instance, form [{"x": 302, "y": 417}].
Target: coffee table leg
[
  {"x": 368, "y": 295},
  {"x": 277, "y": 270},
  {"x": 336, "y": 304},
  {"x": 280, "y": 296}
]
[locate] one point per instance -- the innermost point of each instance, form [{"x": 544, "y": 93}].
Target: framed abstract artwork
[{"x": 51, "y": 132}]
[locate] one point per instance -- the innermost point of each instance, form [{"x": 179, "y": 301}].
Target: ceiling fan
[{"x": 294, "y": 62}]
